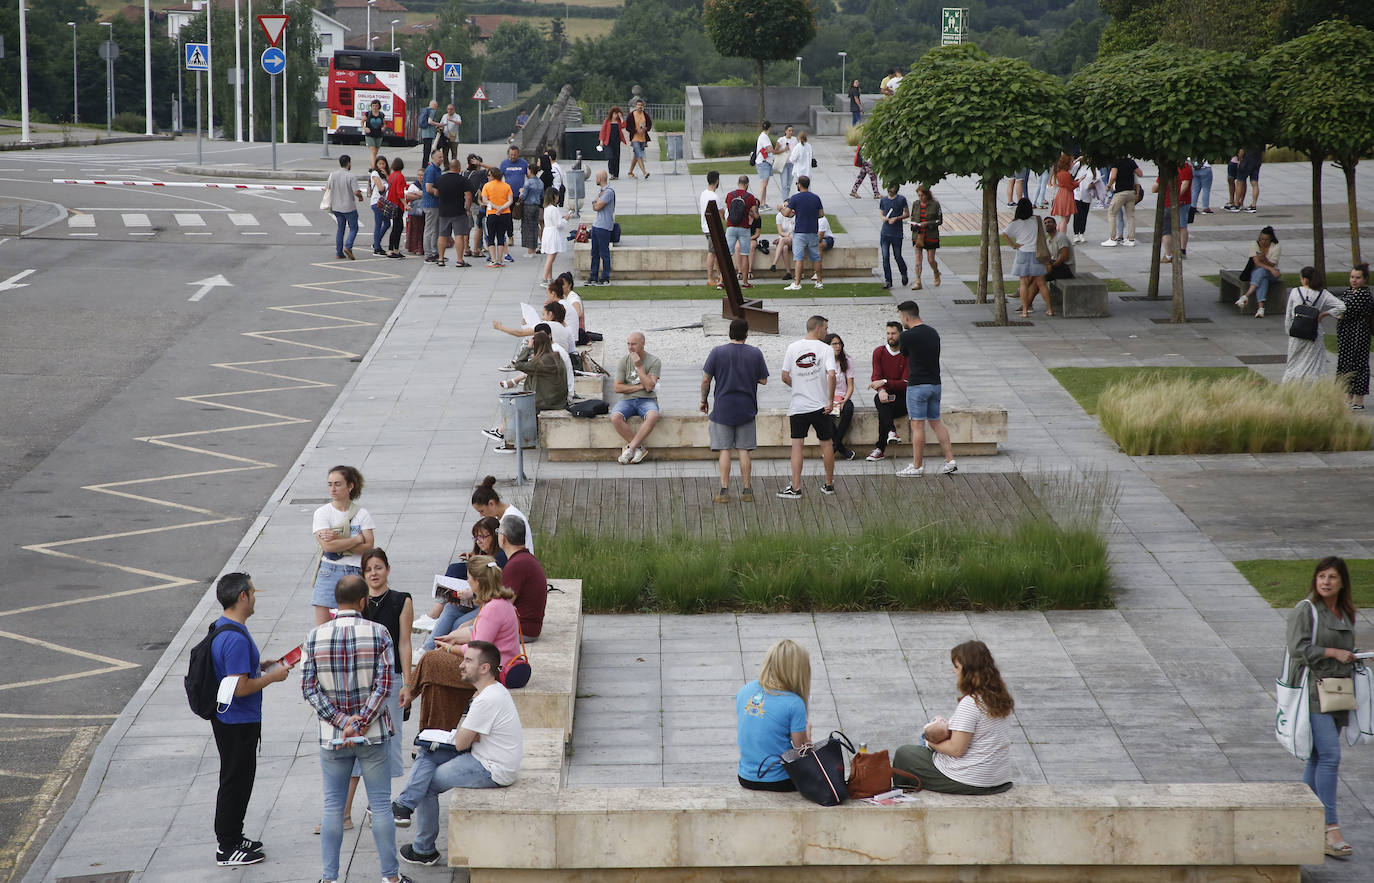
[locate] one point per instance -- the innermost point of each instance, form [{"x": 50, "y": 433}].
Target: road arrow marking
[
  {"x": 205, "y": 286},
  {"x": 13, "y": 281}
]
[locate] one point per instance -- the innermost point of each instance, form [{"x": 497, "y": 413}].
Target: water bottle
[{"x": 863, "y": 747}]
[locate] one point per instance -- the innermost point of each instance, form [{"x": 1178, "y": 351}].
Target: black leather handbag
[{"x": 816, "y": 768}]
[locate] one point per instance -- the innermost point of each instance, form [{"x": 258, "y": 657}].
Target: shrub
[
  {"x": 1152, "y": 415},
  {"x": 669, "y": 125},
  {"x": 128, "y": 122},
  {"x": 854, "y": 134},
  {"x": 728, "y": 142}
]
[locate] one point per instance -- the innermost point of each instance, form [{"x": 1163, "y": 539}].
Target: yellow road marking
[{"x": 72, "y": 760}]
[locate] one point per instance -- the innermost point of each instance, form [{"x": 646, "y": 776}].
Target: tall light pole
[
  {"x": 238, "y": 74},
  {"x": 23, "y": 75},
  {"x": 394, "y": 23},
  {"x": 368, "y": 41},
  {"x": 251, "y": 68},
  {"x": 844, "y": 83},
  {"x": 147, "y": 71},
  {"x": 75, "y": 117},
  {"x": 799, "y": 60},
  {"x": 109, "y": 78},
  {"x": 210, "y": 48}
]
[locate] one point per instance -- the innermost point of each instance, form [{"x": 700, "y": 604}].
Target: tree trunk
[
  {"x": 1349, "y": 169},
  {"x": 999, "y": 294},
  {"x": 1152, "y": 288},
  {"x": 758, "y": 67},
  {"x": 1177, "y": 314},
  {"x": 1318, "y": 231},
  {"x": 989, "y": 208}
]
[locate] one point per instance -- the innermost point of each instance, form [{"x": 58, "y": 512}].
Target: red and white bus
[{"x": 355, "y": 79}]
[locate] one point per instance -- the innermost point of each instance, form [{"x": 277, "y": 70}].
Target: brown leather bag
[{"x": 870, "y": 773}]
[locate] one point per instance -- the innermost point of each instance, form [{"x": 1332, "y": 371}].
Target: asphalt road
[{"x": 143, "y": 430}]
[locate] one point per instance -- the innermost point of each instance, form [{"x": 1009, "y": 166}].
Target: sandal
[
  {"x": 1337, "y": 850},
  {"x": 442, "y": 262},
  {"x": 462, "y": 264},
  {"x": 917, "y": 286},
  {"x": 937, "y": 278}
]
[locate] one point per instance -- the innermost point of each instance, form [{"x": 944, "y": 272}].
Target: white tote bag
[
  {"x": 1292, "y": 726},
  {"x": 1360, "y": 729},
  {"x": 327, "y": 200}
]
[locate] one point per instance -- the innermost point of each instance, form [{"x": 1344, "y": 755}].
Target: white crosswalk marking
[
  {"x": 189, "y": 219},
  {"x": 136, "y": 220},
  {"x": 295, "y": 219},
  {"x": 81, "y": 221},
  {"x": 242, "y": 220}
]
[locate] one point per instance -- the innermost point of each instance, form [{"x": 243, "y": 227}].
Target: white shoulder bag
[{"x": 1292, "y": 726}]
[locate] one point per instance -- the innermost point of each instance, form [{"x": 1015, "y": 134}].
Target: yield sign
[
  {"x": 273, "y": 26},
  {"x": 479, "y": 95}
]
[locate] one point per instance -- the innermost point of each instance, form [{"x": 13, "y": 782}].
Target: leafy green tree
[
  {"x": 517, "y": 53},
  {"x": 1322, "y": 87},
  {"x": 762, "y": 30},
  {"x": 1297, "y": 17},
  {"x": 962, "y": 112},
  {"x": 452, "y": 36},
  {"x": 1247, "y": 25},
  {"x": 1166, "y": 104}
]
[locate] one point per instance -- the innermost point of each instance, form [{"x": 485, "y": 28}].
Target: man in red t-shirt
[
  {"x": 1185, "y": 202},
  {"x": 523, "y": 575},
  {"x": 741, "y": 209},
  {"x": 889, "y": 385}
]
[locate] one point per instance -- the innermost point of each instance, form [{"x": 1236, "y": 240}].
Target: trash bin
[
  {"x": 576, "y": 182},
  {"x": 674, "y": 144},
  {"x": 517, "y": 410}
]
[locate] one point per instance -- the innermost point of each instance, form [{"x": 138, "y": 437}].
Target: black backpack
[
  {"x": 202, "y": 687},
  {"x": 589, "y": 408},
  {"x": 738, "y": 212}
]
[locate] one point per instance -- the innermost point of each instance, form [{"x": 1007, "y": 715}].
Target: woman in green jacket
[
  {"x": 542, "y": 373},
  {"x": 1327, "y": 654}
]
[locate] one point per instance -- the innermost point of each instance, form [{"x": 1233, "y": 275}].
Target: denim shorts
[
  {"x": 806, "y": 245},
  {"x": 635, "y": 407},
  {"x": 740, "y": 236},
  {"x": 325, "y": 579},
  {"x": 638, "y": 148},
  {"x": 765, "y": 169},
  {"x": 923, "y": 401}
]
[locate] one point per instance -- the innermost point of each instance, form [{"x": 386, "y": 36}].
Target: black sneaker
[
  {"x": 401, "y": 814},
  {"x": 408, "y": 854},
  {"x": 494, "y": 434},
  {"x": 790, "y": 493},
  {"x": 828, "y": 490},
  {"x": 250, "y": 845},
  {"x": 237, "y": 856}
]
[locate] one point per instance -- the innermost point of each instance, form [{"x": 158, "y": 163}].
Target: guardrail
[{"x": 595, "y": 113}]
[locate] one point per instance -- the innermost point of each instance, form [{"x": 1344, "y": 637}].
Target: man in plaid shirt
[{"x": 346, "y": 677}]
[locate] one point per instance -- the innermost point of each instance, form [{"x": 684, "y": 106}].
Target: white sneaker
[
  {"x": 1243, "y": 301},
  {"x": 1259, "y": 314},
  {"x": 819, "y": 285},
  {"x": 893, "y": 438},
  {"x": 640, "y": 454},
  {"x": 875, "y": 456},
  {"x": 1130, "y": 242},
  {"x": 793, "y": 287},
  {"x": 949, "y": 467},
  {"x": 625, "y": 455},
  {"x": 813, "y": 277},
  {"x": 1108, "y": 243},
  {"x": 910, "y": 471}
]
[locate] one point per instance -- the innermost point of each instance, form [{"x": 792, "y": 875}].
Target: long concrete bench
[
  {"x": 1128, "y": 832},
  {"x": 1082, "y": 297},
  {"x": 637, "y": 262},
  {"x": 974, "y": 430},
  {"x": 1230, "y": 288}
]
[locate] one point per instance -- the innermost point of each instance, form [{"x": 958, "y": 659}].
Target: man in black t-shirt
[
  {"x": 455, "y": 200},
  {"x": 477, "y": 176},
  {"x": 921, "y": 345},
  {"x": 1121, "y": 182}
]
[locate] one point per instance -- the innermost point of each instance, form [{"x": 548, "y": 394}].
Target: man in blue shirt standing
[
  {"x": 806, "y": 207},
  {"x": 238, "y": 728},
  {"x": 738, "y": 370},
  {"x": 429, "y": 204},
  {"x": 602, "y": 225}
]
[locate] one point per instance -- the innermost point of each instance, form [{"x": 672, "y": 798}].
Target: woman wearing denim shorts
[{"x": 342, "y": 537}]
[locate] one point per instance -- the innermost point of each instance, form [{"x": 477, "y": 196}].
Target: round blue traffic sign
[{"x": 273, "y": 60}]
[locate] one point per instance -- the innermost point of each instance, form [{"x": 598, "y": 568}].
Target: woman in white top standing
[
  {"x": 971, "y": 752},
  {"x": 763, "y": 162},
  {"x": 343, "y": 531},
  {"x": 376, "y": 189},
  {"x": 1307, "y": 358},
  {"x": 784, "y": 155},
  {"x": 1022, "y": 234},
  {"x": 555, "y": 238}
]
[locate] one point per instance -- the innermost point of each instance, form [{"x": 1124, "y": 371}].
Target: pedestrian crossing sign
[
  {"x": 453, "y": 72},
  {"x": 197, "y": 56}
]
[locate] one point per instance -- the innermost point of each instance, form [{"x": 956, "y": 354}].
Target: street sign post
[
  {"x": 274, "y": 62},
  {"x": 197, "y": 56},
  {"x": 453, "y": 72},
  {"x": 479, "y": 96},
  {"x": 273, "y": 26},
  {"x": 953, "y": 25}
]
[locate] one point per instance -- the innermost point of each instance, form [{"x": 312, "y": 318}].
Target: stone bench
[
  {"x": 974, "y": 430},
  {"x": 1235, "y": 832},
  {"x": 1230, "y": 288},
  {"x": 690, "y": 263},
  {"x": 547, "y": 701},
  {"x": 1082, "y": 297}
]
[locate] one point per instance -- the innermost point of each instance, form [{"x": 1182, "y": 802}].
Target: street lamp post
[
  {"x": 23, "y": 75},
  {"x": 147, "y": 71},
  {"x": 75, "y": 117},
  {"x": 252, "y": 108},
  {"x": 109, "y": 80},
  {"x": 799, "y": 61},
  {"x": 394, "y": 23},
  {"x": 367, "y": 44},
  {"x": 844, "y": 83},
  {"x": 238, "y": 75}
]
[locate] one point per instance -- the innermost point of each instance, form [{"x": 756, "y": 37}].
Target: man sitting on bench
[
  {"x": 1061, "y": 263},
  {"x": 636, "y": 381}
]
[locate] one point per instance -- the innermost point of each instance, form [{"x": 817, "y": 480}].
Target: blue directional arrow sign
[
  {"x": 197, "y": 56},
  {"x": 273, "y": 60},
  {"x": 453, "y": 72}
]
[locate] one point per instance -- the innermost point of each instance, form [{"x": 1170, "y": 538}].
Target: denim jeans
[
  {"x": 380, "y": 224},
  {"x": 601, "y": 255},
  {"x": 433, "y": 773},
  {"x": 337, "y": 767},
  {"x": 1041, "y": 186},
  {"x": 786, "y": 179},
  {"x": 1261, "y": 278},
  {"x": 892, "y": 245},
  {"x": 1202, "y": 187},
  {"x": 349, "y": 219},
  {"x": 1324, "y": 764},
  {"x": 451, "y": 617}
]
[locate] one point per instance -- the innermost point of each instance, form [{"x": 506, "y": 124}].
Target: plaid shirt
[{"x": 346, "y": 671}]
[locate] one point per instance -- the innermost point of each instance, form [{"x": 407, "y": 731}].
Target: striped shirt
[
  {"x": 987, "y": 761},
  {"x": 345, "y": 672}
]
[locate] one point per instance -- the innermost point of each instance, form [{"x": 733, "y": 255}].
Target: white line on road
[
  {"x": 81, "y": 221},
  {"x": 13, "y": 281},
  {"x": 136, "y": 220},
  {"x": 187, "y": 219},
  {"x": 200, "y": 234},
  {"x": 207, "y": 284},
  {"x": 84, "y": 234},
  {"x": 295, "y": 219},
  {"x": 240, "y": 219}
]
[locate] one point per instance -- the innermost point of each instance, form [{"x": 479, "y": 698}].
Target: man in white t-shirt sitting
[
  {"x": 709, "y": 195},
  {"x": 488, "y": 748},
  {"x": 809, "y": 369}
]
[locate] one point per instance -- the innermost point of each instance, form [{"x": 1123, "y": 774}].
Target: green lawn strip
[
  {"x": 1331, "y": 343},
  {"x": 1285, "y": 583},
  {"x": 1010, "y": 285},
  {"x": 960, "y": 240},
  {"x": 689, "y": 225},
  {"x": 703, "y": 292},
  {"x": 1086, "y": 384},
  {"x": 1288, "y": 282},
  {"x": 726, "y": 167}
]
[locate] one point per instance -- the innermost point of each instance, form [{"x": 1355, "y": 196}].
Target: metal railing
[{"x": 597, "y": 112}]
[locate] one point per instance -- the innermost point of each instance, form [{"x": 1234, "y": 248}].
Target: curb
[
  {"x": 176, "y": 650},
  {"x": 83, "y": 142},
  {"x": 267, "y": 174}
]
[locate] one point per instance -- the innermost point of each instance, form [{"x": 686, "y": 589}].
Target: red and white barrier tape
[{"x": 212, "y": 185}]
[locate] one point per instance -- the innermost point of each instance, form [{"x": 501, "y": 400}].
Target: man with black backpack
[
  {"x": 238, "y": 728},
  {"x": 741, "y": 208}
]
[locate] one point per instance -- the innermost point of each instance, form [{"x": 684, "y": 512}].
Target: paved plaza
[{"x": 1173, "y": 685}]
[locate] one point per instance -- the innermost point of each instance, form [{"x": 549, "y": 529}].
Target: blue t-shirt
[
  {"x": 514, "y": 173},
  {"x": 432, "y": 173},
  {"x": 807, "y": 208},
  {"x": 234, "y": 654},
  {"x": 736, "y": 369},
  {"x": 766, "y": 722},
  {"x": 605, "y": 216},
  {"x": 892, "y": 207}
]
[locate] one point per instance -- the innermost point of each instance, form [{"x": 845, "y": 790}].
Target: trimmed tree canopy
[
  {"x": 1323, "y": 90},
  {"x": 764, "y": 30}
]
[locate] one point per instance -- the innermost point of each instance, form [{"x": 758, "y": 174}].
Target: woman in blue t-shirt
[{"x": 771, "y": 714}]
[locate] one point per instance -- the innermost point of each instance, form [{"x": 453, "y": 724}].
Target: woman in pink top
[{"x": 496, "y": 620}]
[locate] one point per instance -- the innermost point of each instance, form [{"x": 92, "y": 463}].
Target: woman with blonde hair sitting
[
  {"x": 771, "y": 714},
  {"x": 971, "y": 752}
]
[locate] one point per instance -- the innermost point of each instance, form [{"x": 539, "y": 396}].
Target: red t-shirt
[
  {"x": 524, "y": 575},
  {"x": 750, "y": 201},
  {"x": 1185, "y": 177},
  {"x": 396, "y": 189}
]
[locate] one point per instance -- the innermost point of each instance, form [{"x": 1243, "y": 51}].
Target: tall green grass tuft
[
  {"x": 728, "y": 142},
  {"x": 689, "y": 576},
  {"x": 1153, "y": 415},
  {"x": 853, "y": 135}
]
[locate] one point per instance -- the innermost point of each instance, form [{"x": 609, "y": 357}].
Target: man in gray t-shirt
[
  {"x": 343, "y": 203},
  {"x": 636, "y": 381},
  {"x": 603, "y": 203}
]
